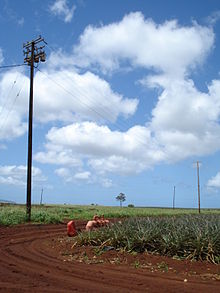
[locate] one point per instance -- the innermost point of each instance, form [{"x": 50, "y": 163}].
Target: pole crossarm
[
  {"x": 36, "y": 41},
  {"x": 38, "y": 55}
]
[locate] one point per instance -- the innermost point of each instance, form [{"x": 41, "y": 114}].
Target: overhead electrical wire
[
  {"x": 138, "y": 137},
  {"x": 9, "y": 92},
  {"x": 68, "y": 92},
  {"x": 11, "y": 66},
  {"x": 11, "y": 107},
  {"x": 87, "y": 98},
  {"x": 121, "y": 125}
]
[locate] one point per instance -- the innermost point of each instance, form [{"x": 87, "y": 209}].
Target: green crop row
[
  {"x": 194, "y": 237},
  {"x": 16, "y": 214}
]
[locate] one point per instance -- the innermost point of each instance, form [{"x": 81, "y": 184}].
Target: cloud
[
  {"x": 3, "y": 147},
  {"x": 64, "y": 157},
  {"x": 1, "y": 56},
  {"x": 69, "y": 176},
  {"x": 185, "y": 121},
  {"x": 213, "y": 18},
  {"x": 82, "y": 175},
  {"x": 60, "y": 8},
  {"x": 107, "y": 183},
  {"x": 140, "y": 42},
  {"x": 21, "y": 21},
  {"x": 172, "y": 51},
  {"x": 87, "y": 97},
  {"x": 214, "y": 182},
  {"x": 61, "y": 95},
  {"x": 11, "y": 14},
  {"x": 87, "y": 177},
  {"x": 13, "y": 104},
  {"x": 104, "y": 150},
  {"x": 16, "y": 175}
]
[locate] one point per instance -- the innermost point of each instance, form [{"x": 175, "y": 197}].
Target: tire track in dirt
[{"x": 30, "y": 263}]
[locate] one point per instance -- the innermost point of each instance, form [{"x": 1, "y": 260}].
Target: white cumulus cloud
[
  {"x": 16, "y": 175},
  {"x": 105, "y": 150},
  {"x": 69, "y": 175},
  {"x": 13, "y": 104},
  {"x": 214, "y": 182},
  {"x": 61, "y": 8},
  {"x": 141, "y": 42},
  {"x": 61, "y": 95},
  {"x": 1, "y": 56},
  {"x": 185, "y": 121},
  {"x": 66, "y": 96}
]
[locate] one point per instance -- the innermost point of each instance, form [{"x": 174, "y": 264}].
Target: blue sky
[{"x": 127, "y": 101}]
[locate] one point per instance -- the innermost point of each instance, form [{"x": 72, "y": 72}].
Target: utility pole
[
  {"x": 33, "y": 54},
  {"x": 197, "y": 163},
  {"x": 41, "y": 196},
  {"x": 174, "y": 193}
]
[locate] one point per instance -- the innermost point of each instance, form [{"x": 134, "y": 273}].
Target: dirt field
[{"x": 41, "y": 258}]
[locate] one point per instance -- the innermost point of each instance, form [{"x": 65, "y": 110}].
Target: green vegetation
[
  {"x": 16, "y": 214},
  {"x": 195, "y": 237},
  {"x": 178, "y": 233},
  {"x": 130, "y": 206}
]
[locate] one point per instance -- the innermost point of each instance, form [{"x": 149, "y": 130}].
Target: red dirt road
[{"x": 34, "y": 258}]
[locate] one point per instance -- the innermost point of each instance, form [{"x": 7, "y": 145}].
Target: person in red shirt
[{"x": 71, "y": 229}]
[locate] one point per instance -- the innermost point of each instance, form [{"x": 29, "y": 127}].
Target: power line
[
  {"x": 68, "y": 92},
  {"x": 12, "y": 106},
  {"x": 84, "y": 95},
  {"x": 138, "y": 138},
  {"x": 6, "y": 99},
  {"x": 121, "y": 125},
  {"x": 11, "y": 66}
]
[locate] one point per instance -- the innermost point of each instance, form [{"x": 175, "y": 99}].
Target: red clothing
[{"x": 71, "y": 229}]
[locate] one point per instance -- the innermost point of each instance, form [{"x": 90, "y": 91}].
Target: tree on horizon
[{"x": 121, "y": 198}]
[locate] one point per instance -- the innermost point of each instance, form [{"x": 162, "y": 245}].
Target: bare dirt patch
[{"x": 42, "y": 258}]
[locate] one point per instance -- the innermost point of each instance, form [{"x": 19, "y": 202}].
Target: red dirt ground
[{"x": 41, "y": 258}]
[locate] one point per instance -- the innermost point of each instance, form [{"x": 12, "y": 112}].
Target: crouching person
[
  {"x": 104, "y": 221},
  {"x": 91, "y": 225},
  {"x": 71, "y": 229}
]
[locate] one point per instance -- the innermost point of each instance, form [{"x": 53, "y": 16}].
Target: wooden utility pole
[
  {"x": 33, "y": 54},
  {"x": 174, "y": 193},
  {"x": 197, "y": 163},
  {"x": 41, "y": 196}
]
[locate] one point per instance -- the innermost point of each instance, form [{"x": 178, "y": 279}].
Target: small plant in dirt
[
  {"x": 163, "y": 266},
  {"x": 136, "y": 264}
]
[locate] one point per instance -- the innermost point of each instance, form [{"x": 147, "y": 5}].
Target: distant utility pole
[
  {"x": 174, "y": 193},
  {"x": 197, "y": 163},
  {"x": 33, "y": 54},
  {"x": 41, "y": 196}
]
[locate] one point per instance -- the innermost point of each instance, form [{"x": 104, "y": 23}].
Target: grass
[
  {"x": 194, "y": 237},
  {"x": 16, "y": 214}
]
